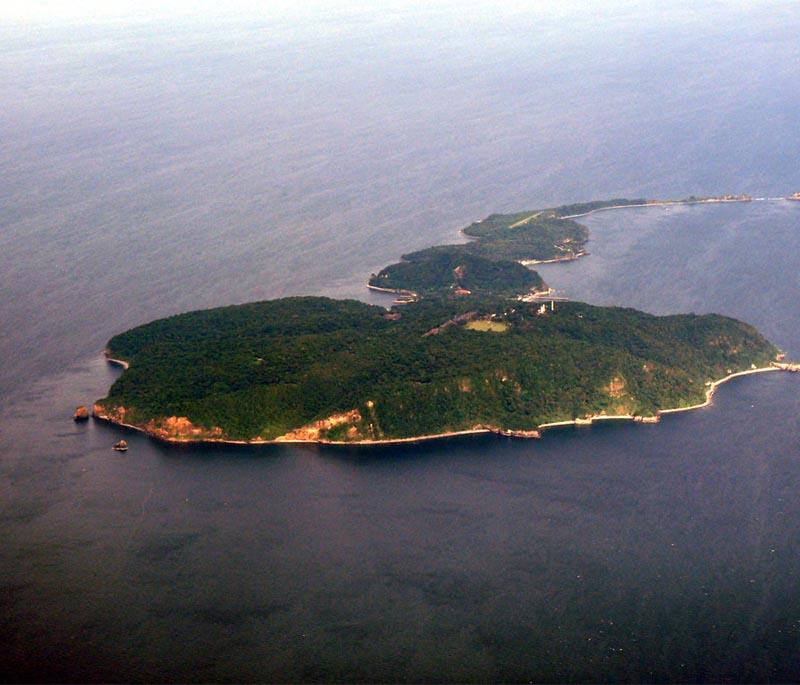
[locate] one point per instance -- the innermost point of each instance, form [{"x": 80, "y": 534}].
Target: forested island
[
  {"x": 501, "y": 243},
  {"x": 473, "y": 350},
  {"x": 494, "y": 260}
]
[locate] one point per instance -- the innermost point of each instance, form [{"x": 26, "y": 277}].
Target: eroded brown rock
[{"x": 313, "y": 431}]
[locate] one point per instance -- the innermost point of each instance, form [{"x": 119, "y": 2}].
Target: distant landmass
[{"x": 478, "y": 344}]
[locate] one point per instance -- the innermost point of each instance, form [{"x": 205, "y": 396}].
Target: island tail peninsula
[{"x": 476, "y": 342}]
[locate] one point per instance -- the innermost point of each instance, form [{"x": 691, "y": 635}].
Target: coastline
[
  {"x": 672, "y": 203},
  {"x": 712, "y": 388},
  {"x": 392, "y": 291},
  {"x": 657, "y": 203},
  {"x": 477, "y": 430},
  {"x": 279, "y": 441},
  {"x": 565, "y": 258}
]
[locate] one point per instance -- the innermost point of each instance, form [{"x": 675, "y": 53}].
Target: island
[
  {"x": 477, "y": 344},
  {"x": 313, "y": 368}
]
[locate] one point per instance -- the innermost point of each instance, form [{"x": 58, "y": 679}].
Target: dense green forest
[
  {"x": 443, "y": 269},
  {"x": 262, "y": 370},
  {"x": 540, "y": 238}
]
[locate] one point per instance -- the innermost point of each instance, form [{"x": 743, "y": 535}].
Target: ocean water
[{"x": 147, "y": 169}]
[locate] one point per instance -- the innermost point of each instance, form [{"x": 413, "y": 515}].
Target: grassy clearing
[{"x": 487, "y": 326}]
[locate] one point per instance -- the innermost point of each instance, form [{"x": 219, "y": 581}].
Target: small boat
[{"x": 121, "y": 446}]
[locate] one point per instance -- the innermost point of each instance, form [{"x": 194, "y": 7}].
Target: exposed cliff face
[
  {"x": 180, "y": 428},
  {"x": 81, "y": 414},
  {"x": 173, "y": 428},
  {"x": 116, "y": 414},
  {"x": 318, "y": 430}
]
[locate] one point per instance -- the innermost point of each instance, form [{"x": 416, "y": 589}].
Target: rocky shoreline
[{"x": 99, "y": 413}]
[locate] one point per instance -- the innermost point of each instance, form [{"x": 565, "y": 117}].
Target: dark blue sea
[{"x": 149, "y": 168}]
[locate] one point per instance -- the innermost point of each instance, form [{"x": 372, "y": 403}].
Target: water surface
[{"x": 146, "y": 170}]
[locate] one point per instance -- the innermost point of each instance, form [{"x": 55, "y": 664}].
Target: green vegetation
[
  {"x": 540, "y": 239},
  {"x": 444, "y": 270},
  {"x": 490, "y": 263},
  {"x": 262, "y": 370}
]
